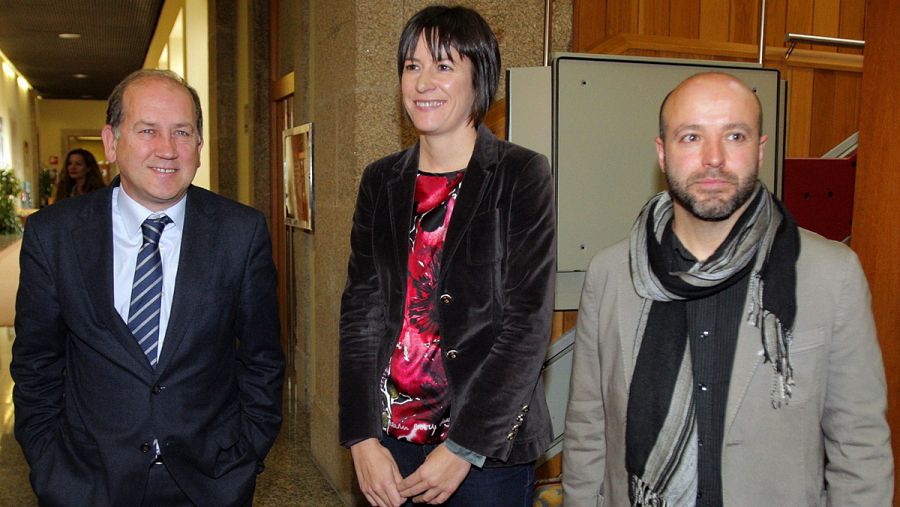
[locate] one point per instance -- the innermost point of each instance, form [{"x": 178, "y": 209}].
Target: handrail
[
  {"x": 820, "y": 40},
  {"x": 622, "y": 43}
]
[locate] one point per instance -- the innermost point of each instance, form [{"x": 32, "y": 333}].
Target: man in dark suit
[{"x": 147, "y": 361}]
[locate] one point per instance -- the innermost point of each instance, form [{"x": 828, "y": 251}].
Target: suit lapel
[
  {"x": 197, "y": 239},
  {"x": 475, "y": 183},
  {"x": 401, "y": 196},
  {"x": 747, "y": 359},
  {"x": 631, "y": 310},
  {"x": 93, "y": 245},
  {"x": 401, "y": 199}
]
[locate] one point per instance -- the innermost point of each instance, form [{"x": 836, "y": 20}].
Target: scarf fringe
[
  {"x": 643, "y": 495},
  {"x": 776, "y": 343}
]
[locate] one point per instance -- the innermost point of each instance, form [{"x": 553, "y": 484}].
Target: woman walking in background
[{"x": 80, "y": 175}]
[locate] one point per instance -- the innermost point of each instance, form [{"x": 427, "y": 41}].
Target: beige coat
[{"x": 833, "y": 431}]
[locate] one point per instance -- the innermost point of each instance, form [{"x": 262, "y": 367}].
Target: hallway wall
[
  {"x": 57, "y": 117},
  {"x": 346, "y": 84},
  {"x": 18, "y": 127}
]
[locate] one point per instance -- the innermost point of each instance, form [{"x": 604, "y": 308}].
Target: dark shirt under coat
[{"x": 712, "y": 326}]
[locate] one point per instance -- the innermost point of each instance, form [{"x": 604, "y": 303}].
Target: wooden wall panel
[
  {"x": 744, "y": 21},
  {"x": 852, "y": 22},
  {"x": 622, "y": 16},
  {"x": 827, "y": 20},
  {"x": 684, "y": 19},
  {"x": 713, "y": 14},
  {"x": 800, "y": 97},
  {"x": 588, "y": 24},
  {"x": 800, "y": 18},
  {"x": 846, "y": 112},
  {"x": 654, "y": 17},
  {"x": 834, "y": 118},
  {"x": 776, "y": 22},
  {"x": 822, "y": 113},
  {"x": 876, "y": 223},
  {"x": 717, "y": 20}
]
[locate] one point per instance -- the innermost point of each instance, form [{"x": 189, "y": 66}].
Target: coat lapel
[
  {"x": 401, "y": 196},
  {"x": 401, "y": 199},
  {"x": 475, "y": 183},
  {"x": 197, "y": 240},
  {"x": 748, "y": 357},
  {"x": 628, "y": 317},
  {"x": 93, "y": 245}
]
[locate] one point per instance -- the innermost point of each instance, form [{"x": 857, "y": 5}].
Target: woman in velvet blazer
[{"x": 490, "y": 295}]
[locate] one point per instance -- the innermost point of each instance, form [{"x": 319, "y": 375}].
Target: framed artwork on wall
[{"x": 298, "y": 177}]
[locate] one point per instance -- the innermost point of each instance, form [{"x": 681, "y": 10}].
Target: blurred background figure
[{"x": 81, "y": 175}]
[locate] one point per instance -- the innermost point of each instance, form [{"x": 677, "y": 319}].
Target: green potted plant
[{"x": 9, "y": 192}]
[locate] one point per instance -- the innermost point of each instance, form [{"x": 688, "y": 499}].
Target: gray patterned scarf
[{"x": 661, "y": 438}]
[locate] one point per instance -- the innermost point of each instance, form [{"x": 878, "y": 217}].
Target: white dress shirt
[{"x": 127, "y": 217}]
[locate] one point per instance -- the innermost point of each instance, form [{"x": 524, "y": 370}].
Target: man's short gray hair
[{"x": 115, "y": 114}]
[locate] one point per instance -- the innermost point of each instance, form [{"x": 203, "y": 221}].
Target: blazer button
[
  {"x": 145, "y": 447},
  {"x": 446, "y": 299},
  {"x": 520, "y": 418},
  {"x": 524, "y": 408},
  {"x": 452, "y": 354},
  {"x": 512, "y": 434},
  {"x": 156, "y": 389}
]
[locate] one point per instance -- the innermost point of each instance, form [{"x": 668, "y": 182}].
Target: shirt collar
[
  {"x": 133, "y": 214},
  {"x": 683, "y": 259}
]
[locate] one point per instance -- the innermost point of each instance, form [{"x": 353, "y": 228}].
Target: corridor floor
[{"x": 290, "y": 479}]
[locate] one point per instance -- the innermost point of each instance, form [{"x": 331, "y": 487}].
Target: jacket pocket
[
  {"x": 807, "y": 353},
  {"x": 483, "y": 244},
  {"x": 232, "y": 450},
  {"x": 68, "y": 472}
]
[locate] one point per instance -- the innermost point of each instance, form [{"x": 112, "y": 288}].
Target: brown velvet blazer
[{"x": 495, "y": 298}]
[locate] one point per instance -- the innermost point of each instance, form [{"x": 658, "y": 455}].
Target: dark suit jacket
[
  {"x": 496, "y": 289},
  {"x": 87, "y": 401}
]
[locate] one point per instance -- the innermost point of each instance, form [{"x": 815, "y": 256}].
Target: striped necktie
[{"x": 146, "y": 292}]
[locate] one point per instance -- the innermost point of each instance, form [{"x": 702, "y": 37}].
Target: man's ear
[
  {"x": 762, "y": 149},
  {"x": 109, "y": 143},
  {"x": 661, "y": 153}
]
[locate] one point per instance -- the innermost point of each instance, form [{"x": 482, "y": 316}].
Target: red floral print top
[{"x": 415, "y": 393}]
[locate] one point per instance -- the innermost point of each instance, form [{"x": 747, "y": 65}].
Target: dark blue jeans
[{"x": 511, "y": 486}]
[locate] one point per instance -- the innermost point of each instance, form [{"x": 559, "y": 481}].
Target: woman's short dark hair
[{"x": 466, "y": 31}]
